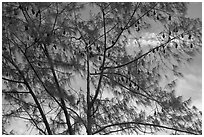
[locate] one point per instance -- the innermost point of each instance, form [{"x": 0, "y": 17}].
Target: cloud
[
  {"x": 148, "y": 38},
  {"x": 195, "y": 10},
  {"x": 146, "y": 41},
  {"x": 151, "y": 42},
  {"x": 191, "y": 86}
]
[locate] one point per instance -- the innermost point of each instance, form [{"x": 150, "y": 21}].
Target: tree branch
[
  {"x": 10, "y": 92},
  {"x": 122, "y": 30},
  {"x": 103, "y": 63},
  {"x": 88, "y": 113},
  {"x": 36, "y": 125},
  {"x": 33, "y": 95},
  {"x": 162, "y": 45},
  {"x": 11, "y": 80},
  {"x": 135, "y": 92},
  {"x": 145, "y": 124},
  {"x": 59, "y": 90},
  {"x": 63, "y": 106},
  {"x": 37, "y": 73},
  {"x": 113, "y": 131}
]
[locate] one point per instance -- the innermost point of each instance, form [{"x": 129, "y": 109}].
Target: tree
[{"x": 48, "y": 45}]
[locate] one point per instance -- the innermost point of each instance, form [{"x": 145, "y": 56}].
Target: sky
[{"x": 191, "y": 84}]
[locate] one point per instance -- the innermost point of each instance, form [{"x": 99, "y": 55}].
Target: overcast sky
[{"x": 191, "y": 84}]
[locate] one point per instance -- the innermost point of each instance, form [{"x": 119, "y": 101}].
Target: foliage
[{"x": 48, "y": 45}]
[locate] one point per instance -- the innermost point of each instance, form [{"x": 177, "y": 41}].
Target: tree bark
[{"x": 89, "y": 124}]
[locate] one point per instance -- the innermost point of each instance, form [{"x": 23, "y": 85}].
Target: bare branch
[
  {"x": 145, "y": 124},
  {"x": 11, "y": 80}
]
